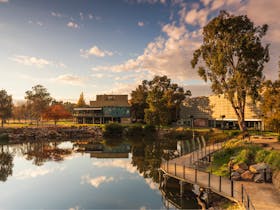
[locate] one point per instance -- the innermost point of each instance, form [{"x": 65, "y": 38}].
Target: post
[
  {"x": 167, "y": 165},
  {"x": 231, "y": 188},
  {"x": 205, "y": 149},
  {"x": 181, "y": 188},
  {"x": 248, "y": 202},
  {"x": 195, "y": 178},
  {"x": 175, "y": 169},
  {"x": 184, "y": 171},
  {"x": 264, "y": 175},
  {"x": 220, "y": 184},
  {"x": 209, "y": 177},
  {"x": 242, "y": 193}
]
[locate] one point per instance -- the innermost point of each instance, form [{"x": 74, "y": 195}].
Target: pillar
[
  {"x": 181, "y": 188},
  {"x": 84, "y": 120}
]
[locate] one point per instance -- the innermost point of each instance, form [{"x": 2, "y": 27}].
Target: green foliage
[
  {"x": 233, "y": 58},
  {"x": 158, "y": 100},
  {"x": 238, "y": 151},
  {"x": 273, "y": 158},
  {"x": 38, "y": 99},
  {"x": 134, "y": 130},
  {"x": 149, "y": 129},
  {"x": 6, "y": 104},
  {"x": 4, "y": 138},
  {"x": 113, "y": 129}
]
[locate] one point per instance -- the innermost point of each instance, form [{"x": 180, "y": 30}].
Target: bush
[
  {"x": 261, "y": 155},
  {"x": 113, "y": 129},
  {"x": 135, "y": 130},
  {"x": 149, "y": 129},
  {"x": 4, "y": 137},
  {"x": 273, "y": 158}
]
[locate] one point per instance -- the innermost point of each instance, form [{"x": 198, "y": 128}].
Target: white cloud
[
  {"x": 72, "y": 24},
  {"x": 56, "y": 14},
  {"x": 117, "y": 163},
  {"x": 31, "y": 61},
  {"x": 140, "y": 23},
  {"x": 96, "y": 182},
  {"x": 70, "y": 79},
  {"x": 81, "y": 16},
  {"x": 95, "y": 51},
  {"x": 197, "y": 17},
  {"x": 98, "y": 75},
  {"x": 4, "y": 1},
  {"x": 90, "y": 16},
  {"x": 206, "y": 2},
  {"x": 39, "y": 171}
]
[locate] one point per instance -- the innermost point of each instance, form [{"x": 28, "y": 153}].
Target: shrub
[
  {"x": 135, "y": 130},
  {"x": 149, "y": 129},
  {"x": 261, "y": 155},
  {"x": 273, "y": 158},
  {"x": 113, "y": 129},
  {"x": 4, "y": 137}
]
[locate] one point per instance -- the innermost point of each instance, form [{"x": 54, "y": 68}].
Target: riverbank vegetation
[{"x": 238, "y": 151}]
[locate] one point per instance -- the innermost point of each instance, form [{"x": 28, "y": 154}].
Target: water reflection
[{"x": 88, "y": 174}]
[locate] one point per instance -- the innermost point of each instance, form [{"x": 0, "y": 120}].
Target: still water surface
[{"x": 86, "y": 175}]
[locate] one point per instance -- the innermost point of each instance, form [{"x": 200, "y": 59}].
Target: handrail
[{"x": 191, "y": 173}]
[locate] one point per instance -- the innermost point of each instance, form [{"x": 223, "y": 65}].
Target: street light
[
  {"x": 191, "y": 117},
  {"x": 223, "y": 116}
]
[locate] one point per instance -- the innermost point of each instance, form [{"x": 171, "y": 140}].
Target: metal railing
[{"x": 221, "y": 185}]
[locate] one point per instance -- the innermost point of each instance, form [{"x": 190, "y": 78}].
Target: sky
[{"x": 110, "y": 46}]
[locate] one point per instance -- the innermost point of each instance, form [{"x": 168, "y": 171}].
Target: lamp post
[
  {"x": 223, "y": 116},
  {"x": 191, "y": 117}
]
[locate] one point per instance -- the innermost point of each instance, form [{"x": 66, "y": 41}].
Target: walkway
[{"x": 262, "y": 196}]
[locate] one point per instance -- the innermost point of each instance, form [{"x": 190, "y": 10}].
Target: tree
[
  {"x": 6, "y": 104},
  {"x": 39, "y": 100},
  {"x": 56, "y": 112},
  {"x": 270, "y": 105},
  {"x": 233, "y": 59},
  {"x": 139, "y": 101},
  {"x": 6, "y": 165},
  {"x": 81, "y": 102},
  {"x": 163, "y": 99}
]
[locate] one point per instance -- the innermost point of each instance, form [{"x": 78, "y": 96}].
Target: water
[{"x": 116, "y": 174}]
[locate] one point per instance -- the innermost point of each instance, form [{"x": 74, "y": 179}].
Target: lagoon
[{"x": 114, "y": 174}]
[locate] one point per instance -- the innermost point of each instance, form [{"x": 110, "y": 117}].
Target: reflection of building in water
[
  {"x": 106, "y": 108},
  {"x": 215, "y": 111},
  {"x": 98, "y": 150}
]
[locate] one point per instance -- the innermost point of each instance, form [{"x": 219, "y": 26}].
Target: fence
[{"x": 188, "y": 171}]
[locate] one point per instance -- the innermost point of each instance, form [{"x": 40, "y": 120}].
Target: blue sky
[{"x": 98, "y": 47}]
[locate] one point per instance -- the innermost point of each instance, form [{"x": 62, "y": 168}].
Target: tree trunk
[{"x": 2, "y": 123}]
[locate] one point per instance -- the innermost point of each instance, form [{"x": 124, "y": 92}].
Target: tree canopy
[
  {"x": 56, "y": 112},
  {"x": 232, "y": 58},
  {"x": 6, "y": 104},
  {"x": 81, "y": 102},
  {"x": 39, "y": 99},
  {"x": 158, "y": 100}
]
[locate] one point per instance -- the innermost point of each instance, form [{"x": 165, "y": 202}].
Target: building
[
  {"x": 216, "y": 111},
  {"x": 106, "y": 108}
]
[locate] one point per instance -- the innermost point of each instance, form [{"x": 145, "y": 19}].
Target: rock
[
  {"x": 259, "y": 178},
  {"x": 258, "y": 168},
  {"x": 247, "y": 176},
  {"x": 276, "y": 179},
  {"x": 235, "y": 176},
  {"x": 238, "y": 166},
  {"x": 240, "y": 170}
]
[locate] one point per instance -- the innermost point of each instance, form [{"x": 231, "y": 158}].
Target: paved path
[{"x": 262, "y": 196}]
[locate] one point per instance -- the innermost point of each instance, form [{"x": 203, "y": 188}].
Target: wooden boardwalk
[{"x": 252, "y": 195}]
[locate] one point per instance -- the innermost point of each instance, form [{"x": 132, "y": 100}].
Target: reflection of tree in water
[
  {"x": 6, "y": 164},
  {"x": 41, "y": 152},
  {"x": 148, "y": 154}
]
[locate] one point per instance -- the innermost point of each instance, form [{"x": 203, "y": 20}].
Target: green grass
[{"x": 240, "y": 151}]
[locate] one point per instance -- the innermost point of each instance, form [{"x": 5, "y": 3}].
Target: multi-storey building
[
  {"x": 106, "y": 108},
  {"x": 216, "y": 111}
]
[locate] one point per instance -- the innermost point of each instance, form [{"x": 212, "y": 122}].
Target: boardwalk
[{"x": 262, "y": 196}]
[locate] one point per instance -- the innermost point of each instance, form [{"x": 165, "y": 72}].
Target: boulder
[
  {"x": 259, "y": 178},
  {"x": 247, "y": 176},
  {"x": 235, "y": 176},
  {"x": 258, "y": 168},
  {"x": 240, "y": 170},
  {"x": 242, "y": 166}
]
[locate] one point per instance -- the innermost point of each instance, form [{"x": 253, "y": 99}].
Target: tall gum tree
[{"x": 232, "y": 58}]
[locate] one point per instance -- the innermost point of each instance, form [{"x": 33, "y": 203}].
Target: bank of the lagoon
[{"x": 85, "y": 174}]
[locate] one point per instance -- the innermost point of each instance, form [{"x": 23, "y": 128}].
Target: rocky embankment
[
  {"x": 259, "y": 172},
  {"x": 51, "y": 133}
]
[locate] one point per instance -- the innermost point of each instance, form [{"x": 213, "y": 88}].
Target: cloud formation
[
  {"x": 31, "y": 61},
  {"x": 140, "y": 23},
  {"x": 96, "y": 182},
  {"x": 4, "y": 1},
  {"x": 36, "y": 172},
  {"x": 70, "y": 79},
  {"x": 124, "y": 164},
  {"x": 95, "y": 51},
  {"x": 72, "y": 24}
]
